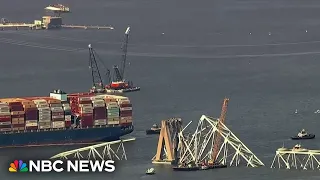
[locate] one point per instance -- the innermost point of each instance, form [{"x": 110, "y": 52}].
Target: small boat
[
  {"x": 303, "y": 135},
  {"x": 150, "y": 171},
  {"x": 154, "y": 130}
]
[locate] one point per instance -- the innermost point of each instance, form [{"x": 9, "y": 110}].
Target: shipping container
[
  {"x": 99, "y": 113},
  {"x": 68, "y": 124},
  {"x": 5, "y": 129},
  {"x": 17, "y": 125},
  {"x": 125, "y": 113},
  {"x": 5, "y": 123},
  {"x": 86, "y": 120},
  {"x": 100, "y": 122},
  {"x": 31, "y": 124},
  {"x": 2, "y": 126},
  {"x": 5, "y": 118},
  {"x": 58, "y": 124},
  {"x": 34, "y": 128},
  {"x": 67, "y": 117}
]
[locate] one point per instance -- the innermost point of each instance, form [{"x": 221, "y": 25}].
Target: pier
[
  {"x": 93, "y": 151},
  {"x": 296, "y": 158},
  {"x": 87, "y": 27}
]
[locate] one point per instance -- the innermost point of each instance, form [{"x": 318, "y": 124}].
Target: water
[{"x": 186, "y": 56}]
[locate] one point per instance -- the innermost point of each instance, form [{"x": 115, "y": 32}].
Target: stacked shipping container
[
  {"x": 57, "y": 113},
  {"x": 85, "y": 111},
  {"x": 44, "y": 114},
  {"x": 99, "y": 111},
  {"x": 67, "y": 114},
  {"x": 18, "y": 115},
  {"x": 31, "y": 113},
  {"x": 5, "y": 118},
  {"x": 125, "y": 111}
]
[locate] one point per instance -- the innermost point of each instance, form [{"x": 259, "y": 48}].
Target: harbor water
[{"x": 187, "y": 56}]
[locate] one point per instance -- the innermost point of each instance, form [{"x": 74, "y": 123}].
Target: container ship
[{"x": 63, "y": 118}]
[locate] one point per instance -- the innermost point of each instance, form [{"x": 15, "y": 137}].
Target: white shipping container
[
  {"x": 5, "y": 113},
  {"x": 113, "y": 122},
  {"x": 31, "y": 121},
  {"x": 58, "y": 125},
  {"x": 44, "y": 117},
  {"x": 5, "y": 123},
  {"x": 5, "y": 129},
  {"x": 56, "y": 105},
  {"x": 44, "y": 123},
  {"x": 126, "y": 109},
  {"x": 56, "y": 109},
  {"x": 44, "y": 127},
  {"x": 126, "y": 118},
  {"x": 85, "y": 105},
  {"x": 4, "y": 108},
  {"x": 57, "y": 117},
  {"x": 31, "y": 124},
  {"x": 84, "y": 99},
  {"x": 101, "y": 120},
  {"x": 42, "y": 106},
  {"x": 94, "y": 98},
  {"x": 67, "y": 117},
  {"x": 45, "y": 120},
  {"x": 99, "y": 123},
  {"x": 44, "y": 109}
]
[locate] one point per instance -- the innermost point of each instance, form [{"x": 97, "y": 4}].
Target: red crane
[{"x": 217, "y": 138}]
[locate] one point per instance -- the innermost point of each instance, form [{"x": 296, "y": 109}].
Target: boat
[
  {"x": 204, "y": 167},
  {"x": 154, "y": 130},
  {"x": 62, "y": 118},
  {"x": 150, "y": 171},
  {"x": 303, "y": 135},
  {"x": 58, "y": 8},
  {"x": 121, "y": 87}
]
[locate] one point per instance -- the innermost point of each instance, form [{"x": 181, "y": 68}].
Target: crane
[
  {"x": 97, "y": 83},
  {"x": 217, "y": 139},
  {"x": 119, "y": 73}
]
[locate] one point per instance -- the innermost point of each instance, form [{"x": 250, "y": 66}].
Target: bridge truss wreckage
[
  {"x": 94, "y": 151},
  {"x": 297, "y": 158},
  {"x": 177, "y": 147},
  {"x": 199, "y": 146}
]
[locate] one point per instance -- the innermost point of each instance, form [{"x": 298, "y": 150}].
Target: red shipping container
[
  {"x": 67, "y": 123},
  {"x": 99, "y": 113},
  {"x": 125, "y": 105},
  {"x": 5, "y": 126},
  {"x": 5, "y": 117},
  {"x": 125, "y": 113},
  {"x": 5, "y": 120},
  {"x": 15, "y": 104},
  {"x": 17, "y": 116},
  {"x": 17, "y": 125},
  {"x": 32, "y": 128},
  {"x": 16, "y": 108}
]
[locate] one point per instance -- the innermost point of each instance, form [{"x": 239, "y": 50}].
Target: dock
[{"x": 296, "y": 158}]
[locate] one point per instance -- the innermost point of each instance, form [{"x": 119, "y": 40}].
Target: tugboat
[
  {"x": 150, "y": 171},
  {"x": 303, "y": 135},
  {"x": 154, "y": 130}
]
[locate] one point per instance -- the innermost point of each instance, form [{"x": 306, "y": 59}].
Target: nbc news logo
[{"x": 59, "y": 166}]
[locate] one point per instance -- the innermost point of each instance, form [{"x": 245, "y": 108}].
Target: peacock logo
[{"x": 18, "y": 166}]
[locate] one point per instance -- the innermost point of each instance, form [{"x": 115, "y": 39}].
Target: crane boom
[
  {"x": 97, "y": 82},
  {"x": 217, "y": 138},
  {"x": 124, "y": 55}
]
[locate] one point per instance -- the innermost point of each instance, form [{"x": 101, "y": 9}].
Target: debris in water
[{"x": 269, "y": 33}]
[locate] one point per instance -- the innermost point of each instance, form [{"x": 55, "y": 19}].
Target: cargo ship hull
[{"x": 58, "y": 137}]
